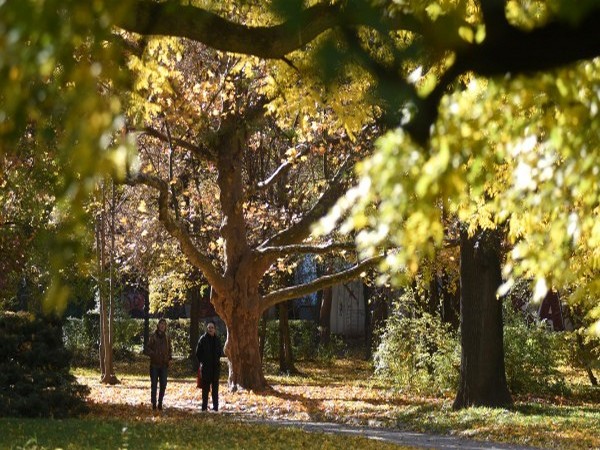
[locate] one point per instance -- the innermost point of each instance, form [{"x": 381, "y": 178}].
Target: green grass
[
  {"x": 215, "y": 433},
  {"x": 528, "y": 423},
  {"x": 342, "y": 391}
]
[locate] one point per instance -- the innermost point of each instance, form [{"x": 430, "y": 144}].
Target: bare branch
[
  {"x": 201, "y": 152},
  {"x": 296, "y": 233},
  {"x": 282, "y": 169},
  {"x": 328, "y": 280},
  {"x": 177, "y": 229},
  {"x": 285, "y": 250}
]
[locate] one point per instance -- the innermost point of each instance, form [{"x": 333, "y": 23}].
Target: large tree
[
  {"x": 236, "y": 188},
  {"x": 489, "y": 39}
]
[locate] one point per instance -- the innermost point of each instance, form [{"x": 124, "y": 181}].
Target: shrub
[
  {"x": 34, "y": 369},
  {"x": 533, "y": 354},
  {"x": 303, "y": 334},
  {"x": 82, "y": 337},
  {"x": 335, "y": 348},
  {"x": 418, "y": 353}
]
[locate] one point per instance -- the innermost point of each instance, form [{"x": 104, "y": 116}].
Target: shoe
[
  {"x": 153, "y": 405},
  {"x": 160, "y": 406}
]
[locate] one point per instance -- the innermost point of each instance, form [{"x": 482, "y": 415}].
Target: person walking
[
  {"x": 209, "y": 351},
  {"x": 160, "y": 352}
]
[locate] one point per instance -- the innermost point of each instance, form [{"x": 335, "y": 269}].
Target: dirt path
[
  {"x": 407, "y": 438},
  {"x": 287, "y": 407}
]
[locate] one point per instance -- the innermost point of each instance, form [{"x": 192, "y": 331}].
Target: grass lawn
[
  {"x": 343, "y": 391},
  {"x": 173, "y": 432}
]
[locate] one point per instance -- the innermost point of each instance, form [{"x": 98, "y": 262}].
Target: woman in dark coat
[{"x": 209, "y": 352}]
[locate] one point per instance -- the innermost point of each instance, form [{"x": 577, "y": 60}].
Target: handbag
[{"x": 199, "y": 378}]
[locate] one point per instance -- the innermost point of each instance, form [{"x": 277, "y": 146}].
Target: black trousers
[
  {"x": 158, "y": 378},
  {"x": 213, "y": 386}
]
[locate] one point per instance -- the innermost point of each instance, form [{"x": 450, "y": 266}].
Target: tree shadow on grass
[{"x": 533, "y": 409}]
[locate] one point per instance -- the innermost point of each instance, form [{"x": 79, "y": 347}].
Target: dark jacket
[
  {"x": 209, "y": 351},
  {"x": 159, "y": 349}
]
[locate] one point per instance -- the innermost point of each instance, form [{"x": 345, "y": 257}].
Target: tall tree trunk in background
[
  {"x": 325, "y": 316},
  {"x": 368, "y": 325},
  {"x": 482, "y": 373},
  {"x": 146, "y": 315},
  {"x": 262, "y": 334},
  {"x": 286, "y": 357},
  {"x": 193, "y": 297},
  {"x": 100, "y": 287},
  {"x": 106, "y": 288}
]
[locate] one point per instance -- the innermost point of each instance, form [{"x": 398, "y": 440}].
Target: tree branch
[
  {"x": 299, "y": 231},
  {"x": 285, "y": 250},
  {"x": 170, "y": 18},
  {"x": 514, "y": 50},
  {"x": 506, "y": 49},
  {"x": 281, "y": 170},
  {"x": 328, "y": 280},
  {"x": 199, "y": 151},
  {"x": 177, "y": 229},
  {"x": 174, "y": 19}
]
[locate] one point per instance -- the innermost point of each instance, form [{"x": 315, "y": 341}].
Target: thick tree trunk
[
  {"x": 242, "y": 350},
  {"x": 482, "y": 374}
]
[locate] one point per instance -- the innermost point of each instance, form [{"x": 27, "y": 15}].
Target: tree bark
[
  {"x": 262, "y": 335},
  {"x": 106, "y": 292},
  {"x": 193, "y": 295},
  {"x": 242, "y": 348},
  {"x": 325, "y": 316},
  {"x": 286, "y": 356},
  {"x": 146, "y": 315},
  {"x": 368, "y": 325},
  {"x": 585, "y": 360},
  {"x": 482, "y": 373}
]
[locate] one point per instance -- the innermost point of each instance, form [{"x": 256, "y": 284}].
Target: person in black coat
[{"x": 209, "y": 351}]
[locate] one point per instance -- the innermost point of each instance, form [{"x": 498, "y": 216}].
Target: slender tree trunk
[
  {"x": 368, "y": 326},
  {"x": 108, "y": 375},
  {"x": 100, "y": 288},
  {"x": 482, "y": 373},
  {"x": 583, "y": 354},
  {"x": 105, "y": 290},
  {"x": 262, "y": 335},
  {"x": 286, "y": 357},
  {"x": 325, "y": 316},
  {"x": 146, "y": 316},
  {"x": 193, "y": 295}
]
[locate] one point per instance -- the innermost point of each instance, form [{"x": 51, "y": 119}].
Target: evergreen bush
[{"x": 34, "y": 369}]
